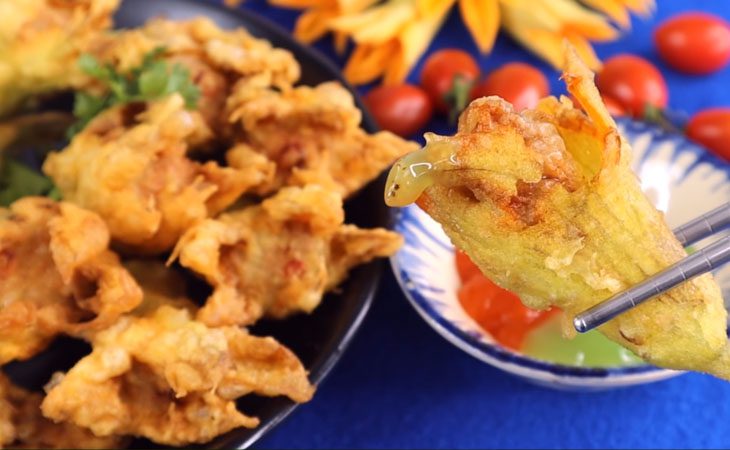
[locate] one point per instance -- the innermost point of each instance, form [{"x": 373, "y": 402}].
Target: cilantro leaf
[
  {"x": 150, "y": 80},
  {"x": 89, "y": 65},
  {"x": 18, "y": 180},
  {"x": 54, "y": 194},
  {"x": 86, "y": 107},
  {"x": 179, "y": 81},
  {"x": 148, "y": 59},
  {"x": 153, "y": 81}
]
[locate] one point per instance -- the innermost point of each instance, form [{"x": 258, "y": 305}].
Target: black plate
[{"x": 318, "y": 339}]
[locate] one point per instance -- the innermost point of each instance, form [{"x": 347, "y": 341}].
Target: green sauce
[{"x": 591, "y": 349}]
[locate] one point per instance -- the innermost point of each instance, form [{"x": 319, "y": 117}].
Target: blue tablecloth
[{"x": 402, "y": 385}]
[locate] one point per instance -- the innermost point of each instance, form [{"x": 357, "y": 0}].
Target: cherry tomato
[
  {"x": 402, "y": 109},
  {"x": 465, "y": 267},
  {"x": 499, "y": 311},
  {"x": 711, "y": 128},
  {"x": 518, "y": 83},
  {"x": 633, "y": 82},
  {"x": 694, "y": 43},
  {"x": 447, "y": 76}
]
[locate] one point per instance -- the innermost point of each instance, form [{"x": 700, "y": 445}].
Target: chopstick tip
[{"x": 580, "y": 324}]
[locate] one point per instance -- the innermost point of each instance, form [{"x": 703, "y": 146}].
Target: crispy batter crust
[
  {"x": 23, "y": 426},
  {"x": 312, "y": 135},
  {"x": 129, "y": 165},
  {"x": 215, "y": 58},
  {"x": 278, "y": 258},
  {"x": 163, "y": 376},
  {"x": 40, "y": 41},
  {"x": 83, "y": 288}
]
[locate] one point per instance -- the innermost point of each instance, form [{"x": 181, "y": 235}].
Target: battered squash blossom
[
  {"x": 546, "y": 205},
  {"x": 390, "y": 36}
]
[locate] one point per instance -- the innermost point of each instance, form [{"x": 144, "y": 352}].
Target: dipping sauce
[
  {"x": 591, "y": 349},
  {"x": 534, "y": 333}
]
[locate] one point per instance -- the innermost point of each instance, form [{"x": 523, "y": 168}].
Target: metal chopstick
[
  {"x": 703, "y": 226},
  {"x": 701, "y": 262}
]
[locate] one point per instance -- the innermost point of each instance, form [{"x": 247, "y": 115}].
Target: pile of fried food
[
  {"x": 544, "y": 201},
  {"x": 244, "y": 190}
]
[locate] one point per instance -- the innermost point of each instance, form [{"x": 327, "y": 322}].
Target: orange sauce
[{"x": 496, "y": 310}]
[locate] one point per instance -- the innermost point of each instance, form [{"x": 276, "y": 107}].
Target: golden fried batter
[
  {"x": 163, "y": 376},
  {"x": 56, "y": 276},
  {"x": 161, "y": 367},
  {"x": 7, "y": 412},
  {"x": 40, "y": 41},
  {"x": 129, "y": 165},
  {"x": 279, "y": 257},
  {"x": 312, "y": 135},
  {"x": 546, "y": 204},
  {"x": 214, "y": 57},
  {"x": 23, "y": 426}
]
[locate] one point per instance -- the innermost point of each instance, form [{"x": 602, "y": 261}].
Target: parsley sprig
[
  {"x": 152, "y": 79},
  {"x": 18, "y": 180}
]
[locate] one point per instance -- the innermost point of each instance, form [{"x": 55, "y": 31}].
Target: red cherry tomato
[
  {"x": 694, "y": 43},
  {"x": 633, "y": 82},
  {"x": 402, "y": 109},
  {"x": 444, "y": 73},
  {"x": 711, "y": 128},
  {"x": 518, "y": 83}
]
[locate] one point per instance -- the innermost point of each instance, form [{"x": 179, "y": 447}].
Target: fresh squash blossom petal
[
  {"x": 391, "y": 35},
  {"x": 482, "y": 19}
]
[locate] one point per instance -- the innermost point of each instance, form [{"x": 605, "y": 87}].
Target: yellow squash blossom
[{"x": 391, "y": 35}]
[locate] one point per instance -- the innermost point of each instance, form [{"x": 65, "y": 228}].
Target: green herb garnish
[
  {"x": 18, "y": 180},
  {"x": 151, "y": 80}
]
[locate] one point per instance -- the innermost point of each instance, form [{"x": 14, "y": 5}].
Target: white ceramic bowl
[{"x": 682, "y": 179}]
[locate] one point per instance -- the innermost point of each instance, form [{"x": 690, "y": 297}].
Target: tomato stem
[
  {"x": 458, "y": 96},
  {"x": 659, "y": 116}
]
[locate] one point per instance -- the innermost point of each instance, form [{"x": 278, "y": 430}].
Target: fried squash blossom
[{"x": 546, "y": 204}]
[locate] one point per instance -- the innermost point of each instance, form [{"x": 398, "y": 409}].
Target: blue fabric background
[{"x": 402, "y": 385}]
